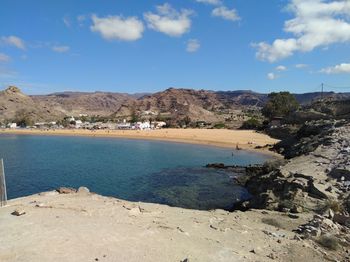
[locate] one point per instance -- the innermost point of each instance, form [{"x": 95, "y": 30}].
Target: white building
[
  {"x": 159, "y": 124},
  {"x": 71, "y": 119},
  {"x": 78, "y": 124},
  {"x": 12, "y": 125},
  {"x": 143, "y": 125}
]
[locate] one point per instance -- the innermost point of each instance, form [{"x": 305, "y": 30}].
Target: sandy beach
[{"x": 244, "y": 139}]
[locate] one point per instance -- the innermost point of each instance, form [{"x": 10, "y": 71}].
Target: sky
[{"x": 135, "y": 46}]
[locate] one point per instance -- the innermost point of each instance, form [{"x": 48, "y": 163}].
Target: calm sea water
[{"x": 137, "y": 170}]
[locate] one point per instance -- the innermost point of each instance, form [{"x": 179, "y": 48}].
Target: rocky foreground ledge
[{"x": 82, "y": 226}]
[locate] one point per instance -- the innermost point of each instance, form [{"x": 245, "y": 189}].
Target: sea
[{"x": 136, "y": 170}]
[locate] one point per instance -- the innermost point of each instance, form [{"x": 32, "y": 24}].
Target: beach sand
[{"x": 244, "y": 139}]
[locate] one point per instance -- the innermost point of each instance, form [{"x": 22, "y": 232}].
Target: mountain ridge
[{"x": 172, "y": 103}]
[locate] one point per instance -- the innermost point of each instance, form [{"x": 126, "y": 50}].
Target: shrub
[
  {"x": 271, "y": 222},
  {"x": 252, "y": 123},
  {"x": 328, "y": 241},
  {"x": 219, "y": 126},
  {"x": 336, "y": 206}
]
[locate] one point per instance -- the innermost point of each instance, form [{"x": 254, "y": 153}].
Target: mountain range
[{"x": 172, "y": 103}]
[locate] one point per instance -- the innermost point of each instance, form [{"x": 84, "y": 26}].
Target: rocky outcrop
[
  {"x": 316, "y": 172},
  {"x": 15, "y": 105}
]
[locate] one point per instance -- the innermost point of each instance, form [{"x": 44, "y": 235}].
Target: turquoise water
[{"x": 137, "y": 170}]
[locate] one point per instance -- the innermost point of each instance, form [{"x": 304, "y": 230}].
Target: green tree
[
  {"x": 23, "y": 119},
  {"x": 280, "y": 105},
  {"x": 134, "y": 117},
  {"x": 252, "y": 123}
]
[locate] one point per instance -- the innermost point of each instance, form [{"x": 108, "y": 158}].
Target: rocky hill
[
  {"x": 14, "y": 103},
  {"x": 175, "y": 104},
  {"x": 75, "y": 103}
]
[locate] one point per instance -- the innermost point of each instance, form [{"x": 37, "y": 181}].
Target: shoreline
[{"x": 245, "y": 139}]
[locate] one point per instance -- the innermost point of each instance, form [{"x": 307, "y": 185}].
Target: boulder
[
  {"x": 18, "y": 212},
  {"x": 83, "y": 190},
  {"x": 340, "y": 174},
  {"x": 66, "y": 190},
  {"x": 297, "y": 209},
  {"x": 342, "y": 219}
]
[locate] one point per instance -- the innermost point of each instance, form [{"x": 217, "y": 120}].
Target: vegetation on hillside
[{"x": 280, "y": 105}]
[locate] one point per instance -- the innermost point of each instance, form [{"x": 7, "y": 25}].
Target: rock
[
  {"x": 342, "y": 219},
  {"x": 216, "y": 165},
  {"x": 272, "y": 256},
  {"x": 49, "y": 193},
  {"x": 329, "y": 214},
  {"x": 340, "y": 174},
  {"x": 296, "y": 237},
  {"x": 329, "y": 189},
  {"x": 83, "y": 190},
  {"x": 294, "y": 216},
  {"x": 18, "y": 212},
  {"x": 297, "y": 209},
  {"x": 66, "y": 190},
  {"x": 285, "y": 210},
  {"x": 135, "y": 211},
  {"x": 256, "y": 250}
]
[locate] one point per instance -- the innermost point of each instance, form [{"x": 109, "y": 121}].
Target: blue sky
[{"x": 147, "y": 46}]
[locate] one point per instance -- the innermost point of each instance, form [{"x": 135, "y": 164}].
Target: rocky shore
[
  {"x": 314, "y": 178},
  {"x": 76, "y": 225}
]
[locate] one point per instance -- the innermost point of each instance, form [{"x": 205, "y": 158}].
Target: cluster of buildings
[{"x": 79, "y": 124}]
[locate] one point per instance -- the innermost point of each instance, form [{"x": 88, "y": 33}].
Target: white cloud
[
  {"x": 281, "y": 68},
  {"x": 225, "y": 13},
  {"x": 316, "y": 23},
  {"x": 60, "y": 48},
  {"x": 66, "y": 21},
  {"x": 13, "y": 41},
  {"x": 4, "y": 58},
  {"x": 118, "y": 28},
  {"x": 271, "y": 76},
  {"x": 169, "y": 21},
  {"x": 81, "y": 19},
  {"x": 193, "y": 45},
  {"x": 343, "y": 68},
  {"x": 300, "y": 66},
  {"x": 210, "y": 2}
]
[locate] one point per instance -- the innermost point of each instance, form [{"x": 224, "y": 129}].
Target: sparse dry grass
[{"x": 272, "y": 222}]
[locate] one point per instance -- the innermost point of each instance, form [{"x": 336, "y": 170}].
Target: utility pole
[{"x": 322, "y": 91}]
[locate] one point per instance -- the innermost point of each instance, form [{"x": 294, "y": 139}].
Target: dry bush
[
  {"x": 329, "y": 242},
  {"x": 272, "y": 222}
]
